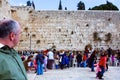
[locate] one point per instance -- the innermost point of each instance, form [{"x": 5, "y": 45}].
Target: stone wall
[
  {"x": 5, "y": 11},
  {"x": 70, "y": 30}
]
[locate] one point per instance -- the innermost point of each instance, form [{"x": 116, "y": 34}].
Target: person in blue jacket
[{"x": 40, "y": 61}]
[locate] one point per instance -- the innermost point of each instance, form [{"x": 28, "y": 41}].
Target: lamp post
[
  {"x": 29, "y": 35},
  {"x": 30, "y": 41}
]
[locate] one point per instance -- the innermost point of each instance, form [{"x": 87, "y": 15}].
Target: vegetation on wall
[
  {"x": 53, "y": 47},
  {"x": 108, "y": 37},
  {"x": 96, "y": 36}
]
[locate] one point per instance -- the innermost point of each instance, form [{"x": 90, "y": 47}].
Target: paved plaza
[{"x": 75, "y": 74}]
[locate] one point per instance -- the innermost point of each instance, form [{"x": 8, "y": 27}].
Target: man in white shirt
[{"x": 50, "y": 59}]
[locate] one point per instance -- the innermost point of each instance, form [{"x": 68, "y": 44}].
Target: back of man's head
[{"x": 7, "y": 26}]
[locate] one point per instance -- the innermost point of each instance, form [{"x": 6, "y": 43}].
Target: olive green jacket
[{"x": 11, "y": 65}]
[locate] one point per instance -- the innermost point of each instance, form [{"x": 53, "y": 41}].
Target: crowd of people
[{"x": 42, "y": 60}]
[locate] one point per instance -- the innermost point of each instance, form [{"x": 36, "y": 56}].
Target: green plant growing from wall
[
  {"x": 53, "y": 47},
  {"x": 108, "y": 37},
  {"x": 96, "y": 37}
]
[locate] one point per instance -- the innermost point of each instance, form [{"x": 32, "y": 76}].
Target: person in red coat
[{"x": 102, "y": 64}]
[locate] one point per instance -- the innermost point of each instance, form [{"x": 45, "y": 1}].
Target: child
[
  {"x": 74, "y": 61},
  {"x": 98, "y": 70},
  {"x": 56, "y": 61}
]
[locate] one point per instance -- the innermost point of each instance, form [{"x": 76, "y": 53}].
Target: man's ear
[{"x": 11, "y": 36}]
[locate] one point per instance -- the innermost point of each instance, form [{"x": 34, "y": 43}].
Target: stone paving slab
[
  {"x": 75, "y": 74},
  {"x": 31, "y": 76}
]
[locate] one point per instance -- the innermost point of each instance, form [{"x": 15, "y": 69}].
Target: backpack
[{"x": 40, "y": 58}]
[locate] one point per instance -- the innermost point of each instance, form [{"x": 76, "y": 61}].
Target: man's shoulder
[{"x": 3, "y": 56}]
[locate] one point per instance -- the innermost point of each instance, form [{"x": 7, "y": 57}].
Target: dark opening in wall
[
  {"x": 47, "y": 16},
  {"x": 66, "y": 30},
  {"x": 109, "y": 19},
  {"x": 33, "y": 35},
  {"x": 65, "y": 35},
  {"x": 13, "y": 11},
  {"x": 68, "y": 12},
  {"x": 38, "y": 41},
  {"x": 25, "y": 29},
  {"x": 87, "y": 25},
  {"x": 21, "y": 40},
  {"x": 30, "y": 11},
  {"x": 72, "y": 33},
  {"x": 59, "y": 30}
]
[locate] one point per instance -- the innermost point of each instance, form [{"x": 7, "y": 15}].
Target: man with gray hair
[{"x": 11, "y": 65}]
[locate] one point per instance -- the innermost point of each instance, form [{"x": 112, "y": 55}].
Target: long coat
[{"x": 11, "y": 65}]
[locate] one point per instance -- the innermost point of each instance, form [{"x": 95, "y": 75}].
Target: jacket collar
[{"x": 7, "y": 50}]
